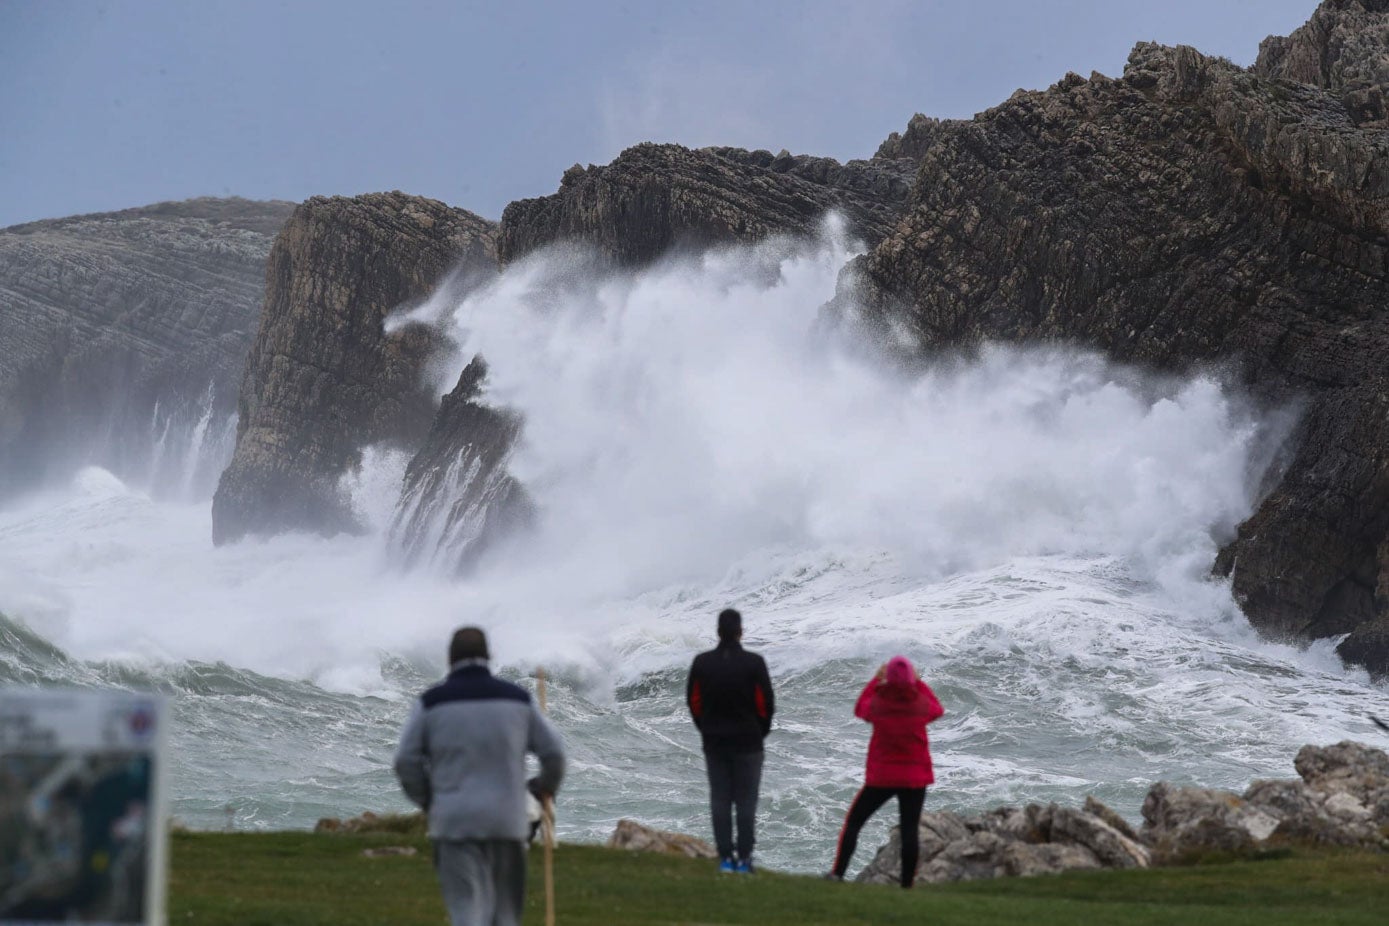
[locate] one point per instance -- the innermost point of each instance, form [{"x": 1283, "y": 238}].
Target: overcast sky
[{"x": 105, "y": 105}]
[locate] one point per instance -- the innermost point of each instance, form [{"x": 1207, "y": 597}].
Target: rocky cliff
[
  {"x": 324, "y": 378},
  {"x": 106, "y": 318},
  {"x": 655, "y": 198},
  {"x": 458, "y": 498},
  {"x": 1192, "y": 212}
]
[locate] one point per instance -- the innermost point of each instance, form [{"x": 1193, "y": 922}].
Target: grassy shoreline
[{"x": 303, "y": 879}]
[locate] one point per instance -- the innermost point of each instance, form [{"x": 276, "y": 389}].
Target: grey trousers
[{"x": 483, "y": 880}]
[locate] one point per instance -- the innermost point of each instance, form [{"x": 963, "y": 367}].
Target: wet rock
[
  {"x": 636, "y": 837},
  {"x": 325, "y": 377},
  {"x": 458, "y": 498},
  {"x": 1368, "y": 643}
]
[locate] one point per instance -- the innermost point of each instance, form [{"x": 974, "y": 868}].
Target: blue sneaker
[
  {"x": 728, "y": 866},
  {"x": 744, "y": 866}
]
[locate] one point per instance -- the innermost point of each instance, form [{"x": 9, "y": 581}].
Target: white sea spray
[{"x": 1035, "y": 527}]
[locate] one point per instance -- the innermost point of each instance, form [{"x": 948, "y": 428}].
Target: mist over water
[{"x": 1035, "y": 528}]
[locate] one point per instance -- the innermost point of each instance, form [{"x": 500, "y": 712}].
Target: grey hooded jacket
[{"x": 462, "y": 755}]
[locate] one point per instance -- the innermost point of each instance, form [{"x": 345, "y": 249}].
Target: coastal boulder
[
  {"x": 1110, "y": 847},
  {"x": 1187, "y": 822},
  {"x": 637, "y": 837}
]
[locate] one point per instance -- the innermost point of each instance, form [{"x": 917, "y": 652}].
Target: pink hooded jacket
[{"x": 899, "y": 706}]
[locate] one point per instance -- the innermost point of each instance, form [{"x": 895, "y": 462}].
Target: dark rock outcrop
[
  {"x": 324, "y": 377},
  {"x": 458, "y": 498},
  {"x": 1191, "y": 212},
  {"x": 105, "y": 317},
  {"x": 655, "y": 198},
  {"x": 1342, "y": 48},
  {"x": 913, "y": 143}
]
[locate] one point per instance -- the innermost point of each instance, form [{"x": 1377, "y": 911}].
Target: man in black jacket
[{"x": 730, "y": 698}]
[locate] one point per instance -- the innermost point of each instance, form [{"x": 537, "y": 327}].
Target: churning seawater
[{"x": 1034, "y": 528}]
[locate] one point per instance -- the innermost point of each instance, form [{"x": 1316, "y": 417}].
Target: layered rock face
[
  {"x": 1341, "y": 799},
  {"x": 1192, "y": 212},
  {"x": 105, "y": 317},
  {"x": 655, "y": 198},
  {"x": 324, "y": 378},
  {"x": 458, "y": 498}
]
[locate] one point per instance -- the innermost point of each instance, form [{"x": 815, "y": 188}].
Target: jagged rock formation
[
  {"x": 1191, "y": 212},
  {"x": 1341, "y": 49},
  {"x": 913, "y": 143},
  {"x": 1342, "y": 799},
  {"x": 102, "y": 317},
  {"x": 655, "y": 198},
  {"x": 458, "y": 498},
  {"x": 324, "y": 378}
]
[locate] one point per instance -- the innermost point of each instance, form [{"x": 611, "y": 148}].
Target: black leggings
[{"x": 866, "y": 803}]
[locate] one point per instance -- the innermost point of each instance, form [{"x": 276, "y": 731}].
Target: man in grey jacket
[{"x": 462, "y": 758}]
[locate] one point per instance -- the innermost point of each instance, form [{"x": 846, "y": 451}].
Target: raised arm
[
  {"x": 412, "y": 760},
  {"x": 865, "y": 699},
  {"x": 933, "y": 709}
]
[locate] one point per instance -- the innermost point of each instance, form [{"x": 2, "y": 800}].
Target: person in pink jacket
[{"x": 899, "y": 705}]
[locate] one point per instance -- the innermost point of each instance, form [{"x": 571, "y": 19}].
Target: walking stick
[{"x": 547, "y": 824}]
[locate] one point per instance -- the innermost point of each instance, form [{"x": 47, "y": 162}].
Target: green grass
[{"x": 300, "y": 879}]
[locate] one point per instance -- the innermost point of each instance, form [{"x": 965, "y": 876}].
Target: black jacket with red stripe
[{"x": 730, "y": 698}]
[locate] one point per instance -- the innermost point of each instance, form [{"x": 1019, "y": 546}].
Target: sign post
[{"x": 83, "y": 827}]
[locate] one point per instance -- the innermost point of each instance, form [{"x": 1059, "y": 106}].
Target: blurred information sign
[{"x": 82, "y": 816}]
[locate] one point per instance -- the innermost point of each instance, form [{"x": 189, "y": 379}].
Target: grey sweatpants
[{"x": 483, "y": 880}]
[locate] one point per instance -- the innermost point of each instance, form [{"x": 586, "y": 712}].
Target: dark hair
[
  {"x": 468, "y": 643},
  {"x": 730, "y": 624}
]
